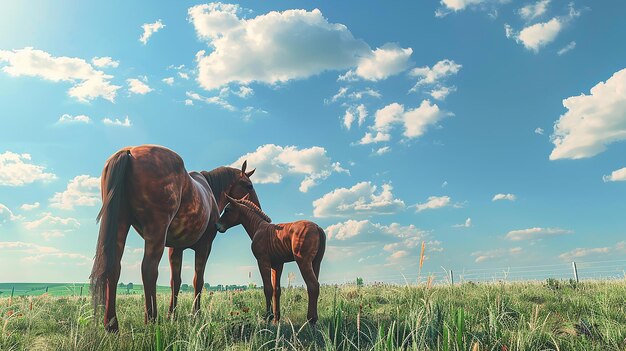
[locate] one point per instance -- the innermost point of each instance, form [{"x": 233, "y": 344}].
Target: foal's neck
[{"x": 251, "y": 221}]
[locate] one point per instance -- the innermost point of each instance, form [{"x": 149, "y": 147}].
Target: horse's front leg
[
  {"x": 277, "y": 270},
  {"x": 202, "y": 254},
  {"x": 265, "y": 268},
  {"x": 176, "y": 262}
]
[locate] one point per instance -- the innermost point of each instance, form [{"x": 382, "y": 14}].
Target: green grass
[
  {"x": 511, "y": 316},
  {"x": 62, "y": 289}
]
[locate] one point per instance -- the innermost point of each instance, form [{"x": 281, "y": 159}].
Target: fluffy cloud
[
  {"x": 510, "y": 197},
  {"x": 536, "y": 233},
  {"x": 28, "y": 248},
  {"x": 539, "y": 131},
  {"x": 6, "y": 214},
  {"x": 435, "y": 75},
  {"x": 16, "y": 170},
  {"x": 592, "y": 121},
  {"x": 137, "y": 86},
  {"x": 213, "y": 100},
  {"x": 83, "y": 190},
  {"x": 415, "y": 121},
  {"x": 117, "y": 122},
  {"x": 280, "y": 46},
  {"x": 52, "y": 226},
  {"x": 38, "y": 253},
  {"x": 583, "y": 252},
  {"x": 434, "y": 202},
  {"x": 532, "y": 11},
  {"x": 441, "y": 93},
  {"x": 273, "y": 162},
  {"x": 104, "y": 62},
  {"x": 382, "y": 63},
  {"x": 489, "y": 255},
  {"x": 88, "y": 83},
  {"x": 538, "y": 35},
  {"x": 383, "y": 150},
  {"x": 456, "y": 5},
  {"x": 168, "y": 80},
  {"x": 360, "y": 199},
  {"x": 467, "y": 224},
  {"x": 30, "y": 207},
  {"x": 66, "y": 118},
  {"x": 149, "y": 29},
  {"x": 355, "y": 113},
  {"x": 618, "y": 175}
]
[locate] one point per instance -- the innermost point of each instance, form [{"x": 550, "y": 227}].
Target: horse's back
[{"x": 305, "y": 238}]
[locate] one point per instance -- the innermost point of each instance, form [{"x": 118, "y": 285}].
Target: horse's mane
[
  {"x": 250, "y": 205},
  {"x": 220, "y": 178}
]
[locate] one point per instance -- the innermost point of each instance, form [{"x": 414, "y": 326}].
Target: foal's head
[{"x": 233, "y": 215}]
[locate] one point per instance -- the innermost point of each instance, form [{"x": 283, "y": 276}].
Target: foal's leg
[
  {"x": 277, "y": 270},
  {"x": 312, "y": 287},
  {"x": 202, "y": 254},
  {"x": 176, "y": 262},
  {"x": 265, "y": 270},
  {"x": 154, "y": 236},
  {"x": 110, "y": 318}
]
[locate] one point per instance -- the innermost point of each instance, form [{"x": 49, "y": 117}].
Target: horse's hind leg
[
  {"x": 111, "y": 323},
  {"x": 202, "y": 254},
  {"x": 176, "y": 262},
  {"x": 154, "y": 235},
  {"x": 312, "y": 287}
]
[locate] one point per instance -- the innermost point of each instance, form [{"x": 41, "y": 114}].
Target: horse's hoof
[
  {"x": 112, "y": 326},
  {"x": 269, "y": 317}
]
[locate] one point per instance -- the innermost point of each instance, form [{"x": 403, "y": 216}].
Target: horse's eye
[{"x": 250, "y": 186}]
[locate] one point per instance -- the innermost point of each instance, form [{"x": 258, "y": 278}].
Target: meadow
[{"x": 549, "y": 315}]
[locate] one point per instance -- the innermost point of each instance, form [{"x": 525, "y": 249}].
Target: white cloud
[
  {"x": 583, "y": 252},
  {"x": 117, "y": 122},
  {"x": 30, "y": 207},
  {"x": 355, "y": 95},
  {"x": 539, "y": 131},
  {"x": 50, "y": 226},
  {"x": 355, "y": 113},
  {"x": 538, "y": 35},
  {"x": 213, "y": 100},
  {"x": 149, "y": 29},
  {"x": 467, "y": 224},
  {"x": 434, "y": 202},
  {"x": 28, "y": 248},
  {"x": 88, "y": 83},
  {"x": 383, "y": 150},
  {"x": 360, "y": 199},
  {"x": 83, "y": 190},
  {"x": 536, "y": 233},
  {"x": 415, "y": 121},
  {"x": 618, "y": 175},
  {"x": 183, "y": 75},
  {"x": 592, "y": 121},
  {"x": 280, "y": 46},
  {"x": 510, "y": 197},
  {"x": 138, "y": 87},
  {"x": 168, "y": 80},
  {"x": 188, "y": 102},
  {"x": 7, "y": 214},
  {"x": 273, "y": 162},
  {"x": 382, "y": 63},
  {"x": 440, "y": 93},
  {"x": 66, "y": 118},
  {"x": 430, "y": 76},
  {"x": 16, "y": 170},
  {"x": 104, "y": 62},
  {"x": 488, "y": 255},
  {"x": 532, "y": 11},
  {"x": 567, "y": 48},
  {"x": 456, "y": 5}
]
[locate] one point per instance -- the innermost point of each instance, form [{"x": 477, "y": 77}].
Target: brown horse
[
  {"x": 275, "y": 244},
  {"x": 148, "y": 188}
]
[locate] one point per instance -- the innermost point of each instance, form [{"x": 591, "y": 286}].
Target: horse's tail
[
  {"x": 112, "y": 196},
  {"x": 317, "y": 261}
]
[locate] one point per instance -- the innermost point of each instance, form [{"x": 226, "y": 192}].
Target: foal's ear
[
  {"x": 249, "y": 174},
  {"x": 230, "y": 199},
  {"x": 246, "y": 197},
  {"x": 243, "y": 167}
]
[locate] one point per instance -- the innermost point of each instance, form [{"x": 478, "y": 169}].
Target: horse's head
[
  {"x": 243, "y": 186},
  {"x": 231, "y": 215}
]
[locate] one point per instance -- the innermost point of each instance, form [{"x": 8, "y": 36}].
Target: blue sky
[{"x": 491, "y": 130}]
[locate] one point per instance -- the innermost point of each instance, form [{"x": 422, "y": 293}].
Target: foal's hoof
[{"x": 269, "y": 317}]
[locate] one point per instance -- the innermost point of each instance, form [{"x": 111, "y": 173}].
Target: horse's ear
[
  {"x": 249, "y": 174},
  {"x": 243, "y": 167}
]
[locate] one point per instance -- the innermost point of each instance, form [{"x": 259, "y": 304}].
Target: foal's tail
[
  {"x": 317, "y": 261},
  {"x": 112, "y": 196}
]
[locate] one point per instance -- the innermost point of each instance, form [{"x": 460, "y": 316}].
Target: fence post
[
  {"x": 46, "y": 289},
  {"x": 575, "y": 271},
  {"x": 451, "y": 278},
  {"x": 81, "y": 290}
]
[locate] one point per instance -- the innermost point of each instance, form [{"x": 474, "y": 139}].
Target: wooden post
[
  {"x": 46, "y": 289},
  {"x": 575, "y": 271},
  {"x": 451, "y": 278},
  {"x": 12, "y": 291},
  {"x": 81, "y": 290}
]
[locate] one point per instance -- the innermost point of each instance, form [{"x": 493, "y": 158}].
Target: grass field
[{"x": 512, "y": 316}]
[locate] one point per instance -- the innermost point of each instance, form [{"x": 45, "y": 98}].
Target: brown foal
[
  {"x": 275, "y": 244},
  {"x": 148, "y": 188}
]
